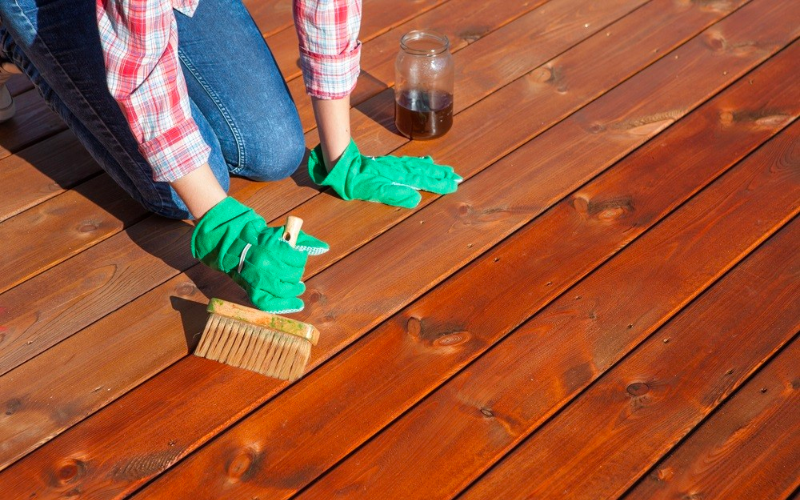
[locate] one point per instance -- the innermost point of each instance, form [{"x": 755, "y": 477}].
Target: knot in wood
[
  {"x": 664, "y": 474},
  {"x": 603, "y": 210},
  {"x": 185, "y": 289},
  {"x": 88, "y": 226},
  {"x": 464, "y": 209},
  {"x": 315, "y": 296},
  {"x": 69, "y": 471},
  {"x": 596, "y": 128},
  {"x": 638, "y": 389},
  {"x": 451, "y": 339},
  {"x": 241, "y": 464},
  {"x": 414, "y": 328},
  {"x": 487, "y": 413},
  {"x": 13, "y": 405},
  {"x": 715, "y": 41},
  {"x": 470, "y": 35},
  {"x": 541, "y": 75}
]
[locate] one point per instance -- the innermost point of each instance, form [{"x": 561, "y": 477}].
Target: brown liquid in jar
[{"x": 423, "y": 115}]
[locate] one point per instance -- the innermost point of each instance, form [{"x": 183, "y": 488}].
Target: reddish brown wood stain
[{"x": 617, "y": 273}]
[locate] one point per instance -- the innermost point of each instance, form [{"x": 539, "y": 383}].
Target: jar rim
[{"x": 435, "y": 36}]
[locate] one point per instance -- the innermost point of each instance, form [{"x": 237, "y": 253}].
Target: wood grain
[
  {"x": 272, "y": 16},
  {"x": 390, "y": 371},
  {"x": 63, "y": 226},
  {"x": 635, "y": 413},
  {"x": 458, "y": 432},
  {"x": 242, "y": 395},
  {"x": 30, "y": 391},
  {"x": 32, "y": 122},
  {"x": 46, "y": 309},
  {"x": 43, "y": 171},
  {"x": 750, "y": 448}
]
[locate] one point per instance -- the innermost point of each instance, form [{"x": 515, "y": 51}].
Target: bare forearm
[
  {"x": 200, "y": 190},
  {"x": 333, "y": 122}
]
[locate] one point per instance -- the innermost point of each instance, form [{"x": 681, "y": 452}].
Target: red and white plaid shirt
[{"x": 140, "y": 45}]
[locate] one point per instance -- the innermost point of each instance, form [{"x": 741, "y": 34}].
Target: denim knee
[{"x": 273, "y": 151}]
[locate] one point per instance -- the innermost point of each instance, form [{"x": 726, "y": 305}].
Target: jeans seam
[
  {"x": 49, "y": 55},
  {"x": 241, "y": 150}
]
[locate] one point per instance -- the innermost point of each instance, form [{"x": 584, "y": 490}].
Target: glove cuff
[{"x": 338, "y": 177}]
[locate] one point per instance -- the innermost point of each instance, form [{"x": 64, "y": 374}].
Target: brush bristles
[{"x": 242, "y": 345}]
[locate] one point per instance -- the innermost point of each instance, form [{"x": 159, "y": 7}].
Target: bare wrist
[
  {"x": 200, "y": 190},
  {"x": 333, "y": 123}
]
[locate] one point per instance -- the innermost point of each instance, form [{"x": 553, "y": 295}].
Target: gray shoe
[{"x": 7, "y": 108}]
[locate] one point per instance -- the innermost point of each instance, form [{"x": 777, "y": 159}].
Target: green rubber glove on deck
[
  {"x": 232, "y": 238},
  {"x": 391, "y": 180}
]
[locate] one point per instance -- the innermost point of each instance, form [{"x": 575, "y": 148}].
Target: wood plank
[
  {"x": 32, "y": 122},
  {"x": 62, "y": 227},
  {"x": 378, "y": 16},
  {"x": 270, "y": 16},
  {"x": 43, "y": 171},
  {"x": 204, "y": 377},
  {"x": 750, "y": 448},
  {"x": 29, "y": 391},
  {"x": 655, "y": 179},
  {"x": 50, "y": 307},
  {"x": 636, "y": 412},
  {"x": 467, "y": 425}
]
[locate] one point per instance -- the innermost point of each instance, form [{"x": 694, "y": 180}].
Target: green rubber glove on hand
[
  {"x": 233, "y": 239},
  {"x": 386, "y": 179}
]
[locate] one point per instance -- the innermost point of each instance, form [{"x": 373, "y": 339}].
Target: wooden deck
[{"x": 607, "y": 308}]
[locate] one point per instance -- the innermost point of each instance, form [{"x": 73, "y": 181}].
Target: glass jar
[{"x": 423, "y": 89}]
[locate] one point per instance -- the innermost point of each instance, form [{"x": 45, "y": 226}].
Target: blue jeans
[{"x": 238, "y": 96}]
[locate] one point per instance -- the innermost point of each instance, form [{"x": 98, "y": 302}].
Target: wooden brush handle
[
  {"x": 263, "y": 319},
  {"x": 293, "y": 225}
]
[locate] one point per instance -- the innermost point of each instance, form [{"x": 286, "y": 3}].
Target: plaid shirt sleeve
[
  {"x": 140, "y": 46},
  {"x": 329, "y": 46}
]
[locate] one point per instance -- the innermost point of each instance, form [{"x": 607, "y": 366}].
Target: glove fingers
[
  {"x": 275, "y": 305},
  {"x": 266, "y": 262},
  {"x": 439, "y": 186},
  {"x": 255, "y": 280},
  {"x": 421, "y": 174},
  {"x": 426, "y": 166},
  {"x": 397, "y": 195},
  {"x": 310, "y": 244},
  {"x": 281, "y": 252}
]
